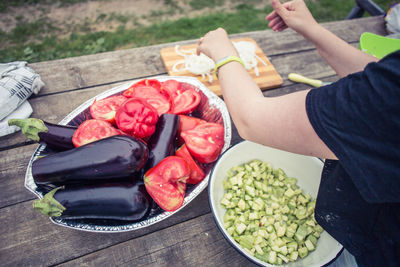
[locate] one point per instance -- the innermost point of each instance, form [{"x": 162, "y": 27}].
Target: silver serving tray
[{"x": 211, "y": 108}]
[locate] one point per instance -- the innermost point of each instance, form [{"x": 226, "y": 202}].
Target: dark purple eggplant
[
  {"x": 162, "y": 142},
  {"x": 112, "y": 157},
  {"x": 57, "y": 137},
  {"x": 117, "y": 201}
]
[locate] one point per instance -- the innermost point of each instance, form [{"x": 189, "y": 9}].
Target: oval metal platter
[{"x": 211, "y": 108}]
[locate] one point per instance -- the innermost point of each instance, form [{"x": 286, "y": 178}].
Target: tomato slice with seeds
[
  {"x": 184, "y": 96},
  {"x": 106, "y": 108},
  {"x": 205, "y": 141},
  {"x": 188, "y": 122},
  {"x": 166, "y": 182},
  {"x": 160, "y": 101},
  {"x": 145, "y": 82},
  {"x": 196, "y": 172},
  {"x": 93, "y": 130}
]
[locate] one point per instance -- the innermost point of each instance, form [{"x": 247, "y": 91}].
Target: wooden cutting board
[{"x": 268, "y": 77}]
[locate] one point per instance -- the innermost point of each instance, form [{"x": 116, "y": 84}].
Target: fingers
[
  {"x": 280, "y": 26},
  {"x": 199, "y": 48},
  {"x": 279, "y": 8},
  {"x": 275, "y": 21},
  {"x": 271, "y": 15}
]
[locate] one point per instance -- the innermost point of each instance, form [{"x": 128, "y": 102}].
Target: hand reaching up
[{"x": 293, "y": 14}]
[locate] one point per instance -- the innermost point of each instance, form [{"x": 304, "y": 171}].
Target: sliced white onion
[
  {"x": 247, "y": 52},
  {"x": 196, "y": 64},
  {"x": 204, "y": 66}
]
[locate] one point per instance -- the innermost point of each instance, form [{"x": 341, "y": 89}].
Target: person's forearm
[
  {"x": 279, "y": 122},
  {"x": 341, "y": 56},
  {"x": 239, "y": 91}
]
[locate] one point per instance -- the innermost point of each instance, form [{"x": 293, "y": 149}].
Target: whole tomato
[{"x": 136, "y": 117}]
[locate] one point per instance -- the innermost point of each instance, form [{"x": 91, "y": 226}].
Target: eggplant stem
[
  {"x": 48, "y": 205},
  {"x": 30, "y": 127}
]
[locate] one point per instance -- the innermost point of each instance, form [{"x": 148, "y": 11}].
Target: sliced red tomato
[
  {"x": 106, "y": 108},
  {"x": 196, "y": 173},
  {"x": 166, "y": 182},
  {"x": 136, "y": 117},
  {"x": 184, "y": 96},
  {"x": 205, "y": 141},
  {"x": 188, "y": 122},
  {"x": 149, "y": 90},
  {"x": 145, "y": 82},
  {"x": 93, "y": 130}
]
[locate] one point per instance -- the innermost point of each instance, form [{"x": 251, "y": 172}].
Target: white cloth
[
  {"x": 17, "y": 83},
  {"x": 22, "y": 112}
]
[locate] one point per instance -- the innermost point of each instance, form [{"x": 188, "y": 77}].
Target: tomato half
[
  {"x": 145, "y": 82},
  {"x": 93, "y": 130},
  {"x": 137, "y": 117},
  {"x": 149, "y": 90},
  {"x": 205, "y": 141},
  {"x": 184, "y": 96},
  {"x": 106, "y": 108},
  {"x": 188, "y": 122},
  {"x": 166, "y": 182},
  {"x": 196, "y": 173}
]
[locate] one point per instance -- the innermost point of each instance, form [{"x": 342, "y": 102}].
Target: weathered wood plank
[
  {"x": 103, "y": 68},
  {"x": 29, "y": 238},
  {"x": 13, "y": 164},
  {"x": 197, "y": 242}
]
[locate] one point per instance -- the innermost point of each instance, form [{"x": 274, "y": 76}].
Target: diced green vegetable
[
  {"x": 246, "y": 241},
  {"x": 268, "y": 214},
  {"x": 310, "y": 246},
  {"x": 301, "y": 233},
  {"x": 303, "y": 252}
]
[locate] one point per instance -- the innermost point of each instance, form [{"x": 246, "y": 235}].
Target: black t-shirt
[{"x": 358, "y": 202}]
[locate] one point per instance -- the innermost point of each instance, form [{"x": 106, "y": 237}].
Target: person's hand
[
  {"x": 293, "y": 14},
  {"x": 216, "y": 45}
]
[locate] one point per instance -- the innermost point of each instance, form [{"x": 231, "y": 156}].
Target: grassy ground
[{"x": 40, "y": 40}]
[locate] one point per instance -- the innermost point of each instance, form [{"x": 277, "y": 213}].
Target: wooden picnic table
[{"x": 188, "y": 238}]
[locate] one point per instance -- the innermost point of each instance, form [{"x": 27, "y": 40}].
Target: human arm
[
  {"x": 341, "y": 56},
  {"x": 279, "y": 122}
]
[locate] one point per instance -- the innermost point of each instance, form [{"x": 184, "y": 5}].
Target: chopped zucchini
[{"x": 268, "y": 214}]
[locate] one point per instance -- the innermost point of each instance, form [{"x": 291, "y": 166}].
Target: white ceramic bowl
[{"x": 306, "y": 169}]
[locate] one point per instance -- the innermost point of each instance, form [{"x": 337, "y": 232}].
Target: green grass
[{"x": 19, "y": 44}]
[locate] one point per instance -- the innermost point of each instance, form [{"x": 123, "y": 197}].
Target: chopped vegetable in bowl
[
  {"x": 307, "y": 171},
  {"x": 268, "y": 214}
]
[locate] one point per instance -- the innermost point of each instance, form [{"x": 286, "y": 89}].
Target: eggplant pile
[{"x": 102, "y": 179}]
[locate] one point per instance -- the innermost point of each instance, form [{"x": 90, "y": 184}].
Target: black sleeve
[{"x": 358, "y": 118}]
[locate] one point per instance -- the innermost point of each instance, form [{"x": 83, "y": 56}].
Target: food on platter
[{"x": 100, "y": 158}]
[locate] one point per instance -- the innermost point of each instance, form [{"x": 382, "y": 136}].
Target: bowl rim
[{"x": 235, "y": 245}]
